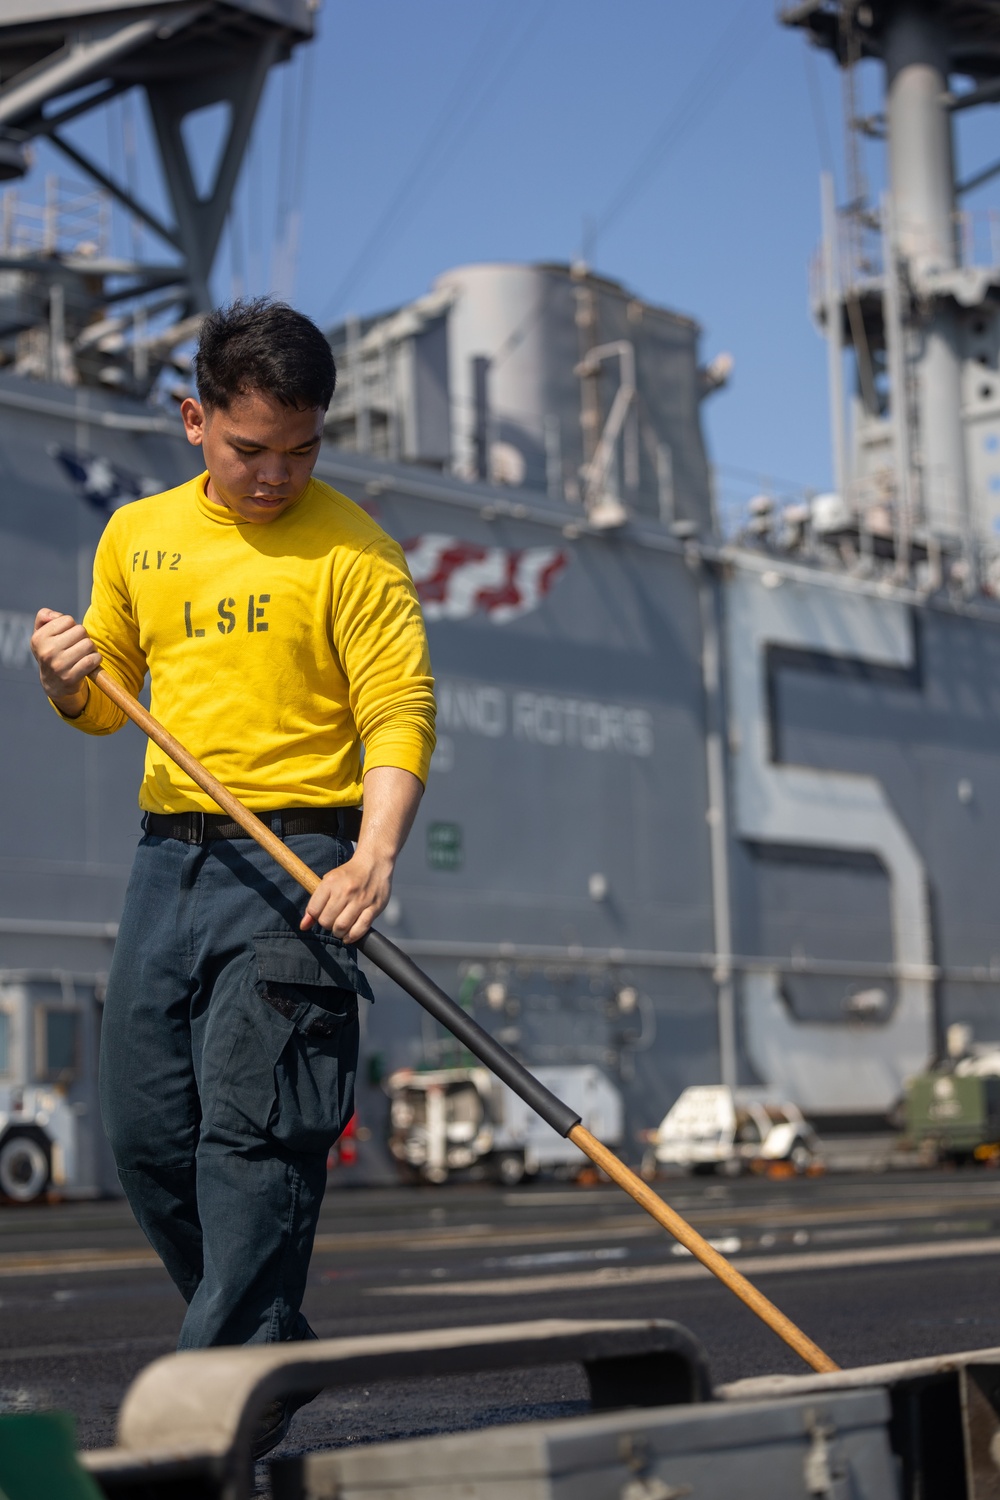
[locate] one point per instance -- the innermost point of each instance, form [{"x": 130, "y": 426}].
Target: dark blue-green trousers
[{"x": 228, "y": 1053}]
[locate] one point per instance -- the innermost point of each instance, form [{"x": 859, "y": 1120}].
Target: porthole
[{"x": 985, "y": 392}]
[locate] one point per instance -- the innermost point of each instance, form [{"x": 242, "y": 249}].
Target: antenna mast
[{"x": 921, "y": 317}]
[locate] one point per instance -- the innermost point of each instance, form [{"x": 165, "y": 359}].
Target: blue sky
[{"x": 680, "y": 140}]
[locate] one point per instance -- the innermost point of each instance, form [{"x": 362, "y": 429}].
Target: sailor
[{"x": 285, "y": 647}]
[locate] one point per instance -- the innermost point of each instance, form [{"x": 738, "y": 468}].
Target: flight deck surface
[{"x": 874, "y": 1267}]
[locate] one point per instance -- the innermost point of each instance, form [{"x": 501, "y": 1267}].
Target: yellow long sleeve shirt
[{"x": 275, "y": 650}]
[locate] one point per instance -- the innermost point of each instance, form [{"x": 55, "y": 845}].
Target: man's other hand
[
  {"x": 65, "y": 655},
  {"x": 348, "y": 899}
]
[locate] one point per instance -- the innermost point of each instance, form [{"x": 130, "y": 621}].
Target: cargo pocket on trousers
[{"x": 307, "y": 1019}]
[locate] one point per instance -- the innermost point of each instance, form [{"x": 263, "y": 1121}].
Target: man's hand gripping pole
[{"x": 404, "y": 972}]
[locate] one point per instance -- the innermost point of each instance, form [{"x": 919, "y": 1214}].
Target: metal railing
[
  {"x": 860, "y": 259},
  {"x": 70, "y": 218}
]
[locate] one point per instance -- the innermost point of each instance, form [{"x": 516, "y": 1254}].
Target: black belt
[{"x": 198, "y": 828}]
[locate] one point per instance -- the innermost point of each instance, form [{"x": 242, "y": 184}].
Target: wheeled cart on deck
[{"x": 455, "y": 1119}]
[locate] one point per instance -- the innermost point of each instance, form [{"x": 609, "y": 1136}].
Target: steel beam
[
  {"x": 78, "y": 64},
  {"x": 110, "y": 186},
  {"x": 978, "y": 179},
  {"x": 200, "y": 220}
]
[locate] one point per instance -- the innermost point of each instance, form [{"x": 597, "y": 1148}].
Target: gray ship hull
[{"x": 778, "y": 877}]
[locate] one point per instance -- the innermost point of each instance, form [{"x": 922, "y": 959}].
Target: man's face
[{"x": 259, "y": 454}]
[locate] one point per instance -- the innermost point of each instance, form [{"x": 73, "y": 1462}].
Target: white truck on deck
[
  {"x": 51, "y": 1139},
  {"x": 712, "y": 1128}
]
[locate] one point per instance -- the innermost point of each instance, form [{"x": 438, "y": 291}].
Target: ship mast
[{"x": 925, "y": 319}]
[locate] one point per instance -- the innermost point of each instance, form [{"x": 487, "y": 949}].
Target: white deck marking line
[
  {"x": 750, "y": 1265},
  {"x": 475, "y": 1235}
]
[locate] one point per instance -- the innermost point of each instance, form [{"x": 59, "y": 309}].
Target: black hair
[{"x": 266, "y": 346}]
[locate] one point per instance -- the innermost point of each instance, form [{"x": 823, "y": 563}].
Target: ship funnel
[{"x": 545, "y": 378}]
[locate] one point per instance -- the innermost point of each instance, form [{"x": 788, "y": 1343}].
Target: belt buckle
[{"x": 197, "y": 828}]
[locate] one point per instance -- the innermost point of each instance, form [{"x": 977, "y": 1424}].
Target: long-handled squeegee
[{"x": 404, "y": 972}]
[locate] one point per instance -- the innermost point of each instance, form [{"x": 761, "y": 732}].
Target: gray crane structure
[{"x": 61, "y": 60}]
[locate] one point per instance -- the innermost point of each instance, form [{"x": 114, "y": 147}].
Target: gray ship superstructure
[{"x": 703, "y": 808}]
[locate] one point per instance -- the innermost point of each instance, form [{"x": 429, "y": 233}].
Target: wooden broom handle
[
  {"x": 699, "y": 1247},
  {"x": 599, "y": 1154}
]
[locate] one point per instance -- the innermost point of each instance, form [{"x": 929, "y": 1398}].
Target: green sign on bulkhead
[{"x": 444, "y": 846}]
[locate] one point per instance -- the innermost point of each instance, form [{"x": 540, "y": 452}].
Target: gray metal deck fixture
[
  {"x": 919, "y": 1429},
  {"x": 195, "y": 1413}
]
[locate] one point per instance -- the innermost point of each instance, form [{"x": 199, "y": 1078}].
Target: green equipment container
[{"x": 957, "y": 1116}]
